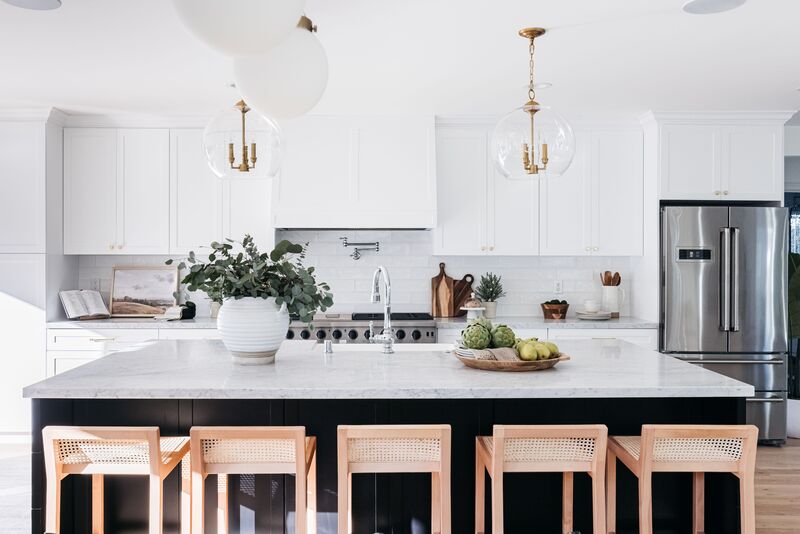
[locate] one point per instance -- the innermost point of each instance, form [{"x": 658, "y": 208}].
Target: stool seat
[
  {"x": 683, "y": 449},
  {"x": 121, "y": 452},
  {"x": 543, "y": 449}
]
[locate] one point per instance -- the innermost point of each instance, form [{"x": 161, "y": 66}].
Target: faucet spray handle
[{"x": 371, "y": 331}]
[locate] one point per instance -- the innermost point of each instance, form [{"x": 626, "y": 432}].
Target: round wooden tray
[{"x": 520, "y": 366}]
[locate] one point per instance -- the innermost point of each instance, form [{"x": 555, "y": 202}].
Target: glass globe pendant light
[
  {"x": 532, "y": 141},
  {"x": 242, "y": 143}
]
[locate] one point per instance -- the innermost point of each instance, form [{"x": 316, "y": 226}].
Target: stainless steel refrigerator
[{"x": 724, "y": 300}]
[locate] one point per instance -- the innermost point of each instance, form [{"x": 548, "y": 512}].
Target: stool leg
[
  {"x": 747, "y": 504},
  {"x": 53, "y": 505},
  {"x": 497, "y": 503},
  {"x": 444, "y": 488},
  {"x": 698, "y": 503},
  {"x": 436, "y": 504},
  {"x": 222, "y": 503},
  {"x": 97, "y": 504},
  {"x": 611, "y": 491},
  {"x": 343, "y": 484},
  {"x": 312, "y": 495},
  {"x": 480, "y": 495},
  {"x": 300, "y": 503},
  {"x": 198, "y": 500},
  {"x": 645, "y": 502},
  {"x": 156, "y": 505},
  {"x": 566, "y": 502},
  {"x": 599, "y": 501},
  {"x": 186, "y": 494}
]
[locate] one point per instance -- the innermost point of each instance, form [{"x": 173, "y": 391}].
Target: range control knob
[
  {"x": 336, "y": 334},
  {"x": 290, "y": 334},
  {"x": 352, "y": 334},
  {"x": 415, "y": 335},
  {"x": 321, "y": 334},
  {"x": 400, "y": 334},
  {"x": 305, "y": 334},
  {"x": 366, "y": 334}
]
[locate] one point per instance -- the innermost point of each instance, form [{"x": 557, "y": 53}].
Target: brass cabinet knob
[
  {"x": 716, "y": 193},
  {"x": 491, "y": 249},
  {"x": 111, "y": 247},
  {"x": 588, "y": 249},
  {"x": 483, "y": 247},
  {"x": 724, "y": 192},
  {"x": 595, "y": 248}
]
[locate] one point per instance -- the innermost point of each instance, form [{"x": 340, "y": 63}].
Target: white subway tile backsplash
[{"x": 528, "y": 280}]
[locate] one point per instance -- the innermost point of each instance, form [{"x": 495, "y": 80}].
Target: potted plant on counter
[
  {"x": 489, "y": 289},
  {"x": 258, "y": 292}
]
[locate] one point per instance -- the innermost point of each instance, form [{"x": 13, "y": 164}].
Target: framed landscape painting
[{"x": 143, "y": 291}]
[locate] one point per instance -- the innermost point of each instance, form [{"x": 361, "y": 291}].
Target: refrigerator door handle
[
  {"x": 764, "y": 399},
  {"x": 735, "y": 275},
  {"x": 773, "y": 361},
  {"x": 725, "y": 280}
]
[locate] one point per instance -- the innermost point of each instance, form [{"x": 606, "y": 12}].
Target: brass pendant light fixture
[
  {"x": 244, "y": 166},
  {"x": 532, "y": 141}
]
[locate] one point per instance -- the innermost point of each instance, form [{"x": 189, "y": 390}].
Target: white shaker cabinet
[
  {"x": 116, "y": 191},
  {"x": 195, "y": 194},
  {"x": 719, "y": 156},
  {"x": 357, "y": 172},
  {"x": 596, "y": 207},
  {"x": 247, "y": 209},
  {"x": 479, "y": 211}
]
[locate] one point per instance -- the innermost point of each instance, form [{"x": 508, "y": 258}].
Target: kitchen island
[{"x": 177, "y": 384}]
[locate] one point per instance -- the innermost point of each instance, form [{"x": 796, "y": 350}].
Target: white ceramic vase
[
  {"x": 252, "y": 329},
  {"x": 490, "y": 310}
]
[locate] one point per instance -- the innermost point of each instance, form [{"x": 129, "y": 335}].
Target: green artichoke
[
  {"x": 502, "y": 336},
  {"x": 476, "y": 336}
]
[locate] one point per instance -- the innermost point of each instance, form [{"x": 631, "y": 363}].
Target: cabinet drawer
[
  {"x": 645, "y": 337},
  {"x": 193, "y": 333},
  {"x": 59, "y": 361},
  {"x": 97, "y": 339}
]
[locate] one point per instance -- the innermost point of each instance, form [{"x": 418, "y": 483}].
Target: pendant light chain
[{"x": 531, "y": 90}]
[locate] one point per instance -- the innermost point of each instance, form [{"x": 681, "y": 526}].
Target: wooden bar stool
[
  {"x": 396, "y": 449},
  {"x": 563, "y": 449},
  {"x": 99, "y": 451},
  {"x": 694, "y": 449},
  {"x": 260, "y": 450}
]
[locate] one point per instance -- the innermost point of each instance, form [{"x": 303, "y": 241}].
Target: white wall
[{"x": 407, "y": 254}]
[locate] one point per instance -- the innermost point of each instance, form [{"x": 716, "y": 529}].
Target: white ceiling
[{"x": 449, "y": 57}]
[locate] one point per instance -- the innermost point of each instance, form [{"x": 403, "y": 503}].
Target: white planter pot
[
  {"x": 252, "y": 329},
  {"x": 490, "y": 311}
]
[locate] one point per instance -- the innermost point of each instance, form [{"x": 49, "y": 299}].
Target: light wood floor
[{"x": 778, "y": 489}]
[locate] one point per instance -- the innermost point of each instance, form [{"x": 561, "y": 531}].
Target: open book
[{"x": 83, "y": 304}]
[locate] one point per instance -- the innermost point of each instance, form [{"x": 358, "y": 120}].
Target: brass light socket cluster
[
  {"x": 530, "y": 162},
  {"x": 244, "y": 166}
]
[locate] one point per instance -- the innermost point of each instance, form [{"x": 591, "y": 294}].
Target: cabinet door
[
  {"x": 752, "y": 163},
  {"x": 565, "y": 207},
  {"x": 617, "y": 192},
  {"x": 513, "y": 215},
  {"x": 461, "y": 170},
  {"x": 195, "y": 194},
  {"x": 143, "y": 191},
  {"x": 315, "y": 182},
  {"x": 247, "y": 209},
  {"x": 22, "y": 181},
  {"x": 689, "y": 162},
  {"x": 90, "y": 190}
]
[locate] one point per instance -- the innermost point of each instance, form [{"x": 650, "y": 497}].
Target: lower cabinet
[{"x": 189, "y": 333}]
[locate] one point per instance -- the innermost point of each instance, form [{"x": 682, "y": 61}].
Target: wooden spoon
[
  {"x": 607, "y": 278},
  {"x": 616, "y": 279}
]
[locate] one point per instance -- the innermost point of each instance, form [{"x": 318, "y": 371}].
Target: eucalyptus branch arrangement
[
  {"x": 250, "y": 273},
  {"x": 489, "y": 288}
]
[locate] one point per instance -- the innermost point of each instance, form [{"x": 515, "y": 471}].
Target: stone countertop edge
[
  {"x": 202, "y": 369},
  {"x": 539, "y": 322}
]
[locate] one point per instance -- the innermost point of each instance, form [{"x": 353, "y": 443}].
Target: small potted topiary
[
  {"x": 489, "y": 289},
  {"x": 258, "y": 292}
]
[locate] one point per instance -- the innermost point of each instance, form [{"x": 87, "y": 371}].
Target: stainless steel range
[{"x": 354, "y": 328}]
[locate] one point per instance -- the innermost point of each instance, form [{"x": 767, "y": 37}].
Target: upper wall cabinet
[
  {"x": 357, "y": 172},
  {"x": 22, "y": 176},
  {"x": 116, "y": 191},
  {"x": 719, "y": 156},
  {"x": 479, "y": 212}
]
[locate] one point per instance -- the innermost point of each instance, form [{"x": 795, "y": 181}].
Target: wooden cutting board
[
  {"x": 442, "y": 294},
  {"x": 462, "y": 290}
]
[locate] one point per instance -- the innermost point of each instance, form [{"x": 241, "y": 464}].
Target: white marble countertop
[
  {"x": 134, "y": 322},
  {"x": 204, "y": 370},
  {"x": 540, "y": 322}
]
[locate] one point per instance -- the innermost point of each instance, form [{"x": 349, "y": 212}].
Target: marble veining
[
  {"x": 202, "y": 369},
  {"x": 539, "y": 322}
]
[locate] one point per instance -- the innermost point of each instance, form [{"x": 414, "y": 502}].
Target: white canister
[
  {"x": 612, "y": 298},
  {"x": 252, "y": 329}
]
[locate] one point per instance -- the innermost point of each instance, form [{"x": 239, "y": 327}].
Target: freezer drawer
[
  {"x": 766, "y": 372},
  {"x": 767, "y": 410}
]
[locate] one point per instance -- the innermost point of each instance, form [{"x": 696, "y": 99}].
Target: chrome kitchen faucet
[{"x": 387, "y": 336}]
